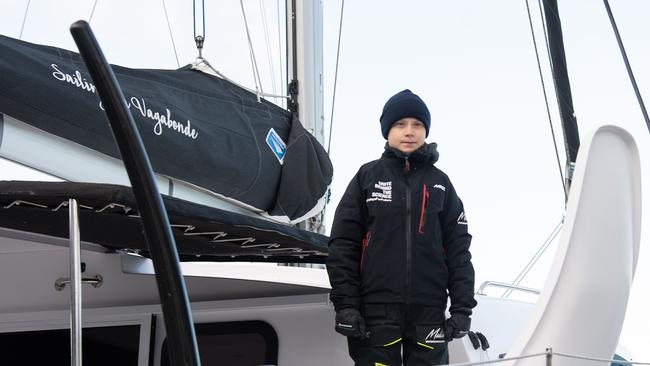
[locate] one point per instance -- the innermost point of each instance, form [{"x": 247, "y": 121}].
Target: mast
[
  {"x": 305, "y": 63},
  {"x": 562, "y": 87},
  {"x": 305, "y": 75}
]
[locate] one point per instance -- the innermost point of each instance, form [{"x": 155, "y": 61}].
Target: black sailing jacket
[{"x": 400, "y": 236}]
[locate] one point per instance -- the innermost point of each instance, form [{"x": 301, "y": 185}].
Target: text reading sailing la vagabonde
[{"x": 160, "y": 119}]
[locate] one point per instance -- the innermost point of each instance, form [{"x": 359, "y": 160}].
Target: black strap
[
  {"x": 474, "y": 339},
  {"x": 484, "y": 342}
]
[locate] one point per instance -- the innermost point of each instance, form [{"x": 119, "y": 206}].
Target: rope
[
  {"x": 551, "y": 353},
  {"x": 587, "y": 358},
  {"x": 499, "y": 360},
  {"x": 548, "y": 48},
  {"x": 171, "y": 35},
  {"x": 627, "y": 64},
  {"x": 524, "y": 272},
  {"x": 268, "y": 46},
  {"x": 548, "y": 111},
  {"x": 256, "y": 74},
  {"x": 22, "y": 27},
  {"x": 282, "y": 81},
  {"x": 336, "y": 74},
  {"x": 92, "y": 12},
  {"x": 204, "y": 63}
]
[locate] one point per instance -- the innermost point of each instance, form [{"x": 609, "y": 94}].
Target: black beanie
[{"x": 401, "y": 105}]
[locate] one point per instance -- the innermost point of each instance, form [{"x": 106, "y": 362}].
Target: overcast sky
[{"x": 472, "y": 62}]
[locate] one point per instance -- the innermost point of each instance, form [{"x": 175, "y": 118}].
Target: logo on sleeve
[
  {"x": 382, "y": 191},
  {"x": 462, "y": 219}
]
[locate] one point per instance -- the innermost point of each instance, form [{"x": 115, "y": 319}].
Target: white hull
[{"x": 580, "y": 310}]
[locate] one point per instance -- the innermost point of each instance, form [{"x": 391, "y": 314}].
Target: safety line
[
  {"x": 587, "y": 358},
  {"x": 505, "y": 359}
]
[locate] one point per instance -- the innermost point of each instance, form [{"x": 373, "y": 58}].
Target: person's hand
[
  {"x": 350, "y": 323},
  {"x": 457, "y": 326}
]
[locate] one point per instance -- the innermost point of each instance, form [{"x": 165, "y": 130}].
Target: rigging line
[
  {"x": 256, "y": 73},
  {"x": 542, "y": 249},
  {"x": 92, "y": 12},
  {"x": 268, "y": 46},
  {"x": 194, "y": 17},
  {"x": 627, "y": 64},
  {"x": 548, "y": 111},
  {"x": 22, "y": 27},
  {"x": 282, "y": 81},
  {"x": 547, "y": 44},
  {"x": 203, "y": 64},
  {"x": 171, "y": 35},
  {"x": 558, "y": 96},
  {"x": 539, "y": 254},
  {"x": 336, "y": 74},
  {"x": 548, "y": 47}
]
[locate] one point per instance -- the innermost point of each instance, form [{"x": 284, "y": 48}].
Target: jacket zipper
[
  {"x": 444, "y": 256},
  {"x": 364, "y": 246},
  {"x": 407, "y": 168},
  {"x": 425, "y": 198}
]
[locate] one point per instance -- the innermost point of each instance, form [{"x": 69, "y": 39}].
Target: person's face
[{"x": 406, "y": 135}]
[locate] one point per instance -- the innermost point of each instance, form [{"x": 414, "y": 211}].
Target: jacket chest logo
[{"x": 382, "y": 191}]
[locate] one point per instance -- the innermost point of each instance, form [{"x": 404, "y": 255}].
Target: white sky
[{"x": 472, "y": 62}]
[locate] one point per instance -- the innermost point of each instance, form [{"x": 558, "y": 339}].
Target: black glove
[
  {"x": 457, "y": 326},
  {"x": 350, "y": 323}
]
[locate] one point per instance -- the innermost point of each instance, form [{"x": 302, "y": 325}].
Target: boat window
[
  {"x": 250, "y": 343},
  {"x": 101, "y": 346}
]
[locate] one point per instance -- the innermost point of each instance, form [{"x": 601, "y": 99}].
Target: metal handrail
[
  {"x": 75, "y": 283},
  {"x": 509, "y": 286},
  {"x": 96, "y": 281}
]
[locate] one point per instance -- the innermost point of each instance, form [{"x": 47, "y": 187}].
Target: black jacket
[{"x": 400, "y": 236}]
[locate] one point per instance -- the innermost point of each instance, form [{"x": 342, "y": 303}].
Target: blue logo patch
[{"x": 278, "y": 147}]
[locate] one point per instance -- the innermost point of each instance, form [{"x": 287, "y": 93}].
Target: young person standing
[{"x": 399, "y": 249}]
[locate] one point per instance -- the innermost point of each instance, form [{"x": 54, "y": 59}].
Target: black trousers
[{"x": 401, "y": 334}]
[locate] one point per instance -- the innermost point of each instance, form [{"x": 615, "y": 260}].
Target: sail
[{"x": 196, "y": 128}]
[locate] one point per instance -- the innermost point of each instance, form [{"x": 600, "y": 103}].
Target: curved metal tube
[{"x": 171, "y": 288}]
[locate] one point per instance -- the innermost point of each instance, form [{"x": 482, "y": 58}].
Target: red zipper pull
[{"x": 425, "y": 198}]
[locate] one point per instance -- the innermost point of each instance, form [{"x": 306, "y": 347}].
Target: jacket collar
[{"x": 427, "y": 153}]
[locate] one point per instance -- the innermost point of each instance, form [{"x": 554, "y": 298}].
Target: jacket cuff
[
  {"x": 460, "y": 311},
  {"x": 347, "y": 302}
]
